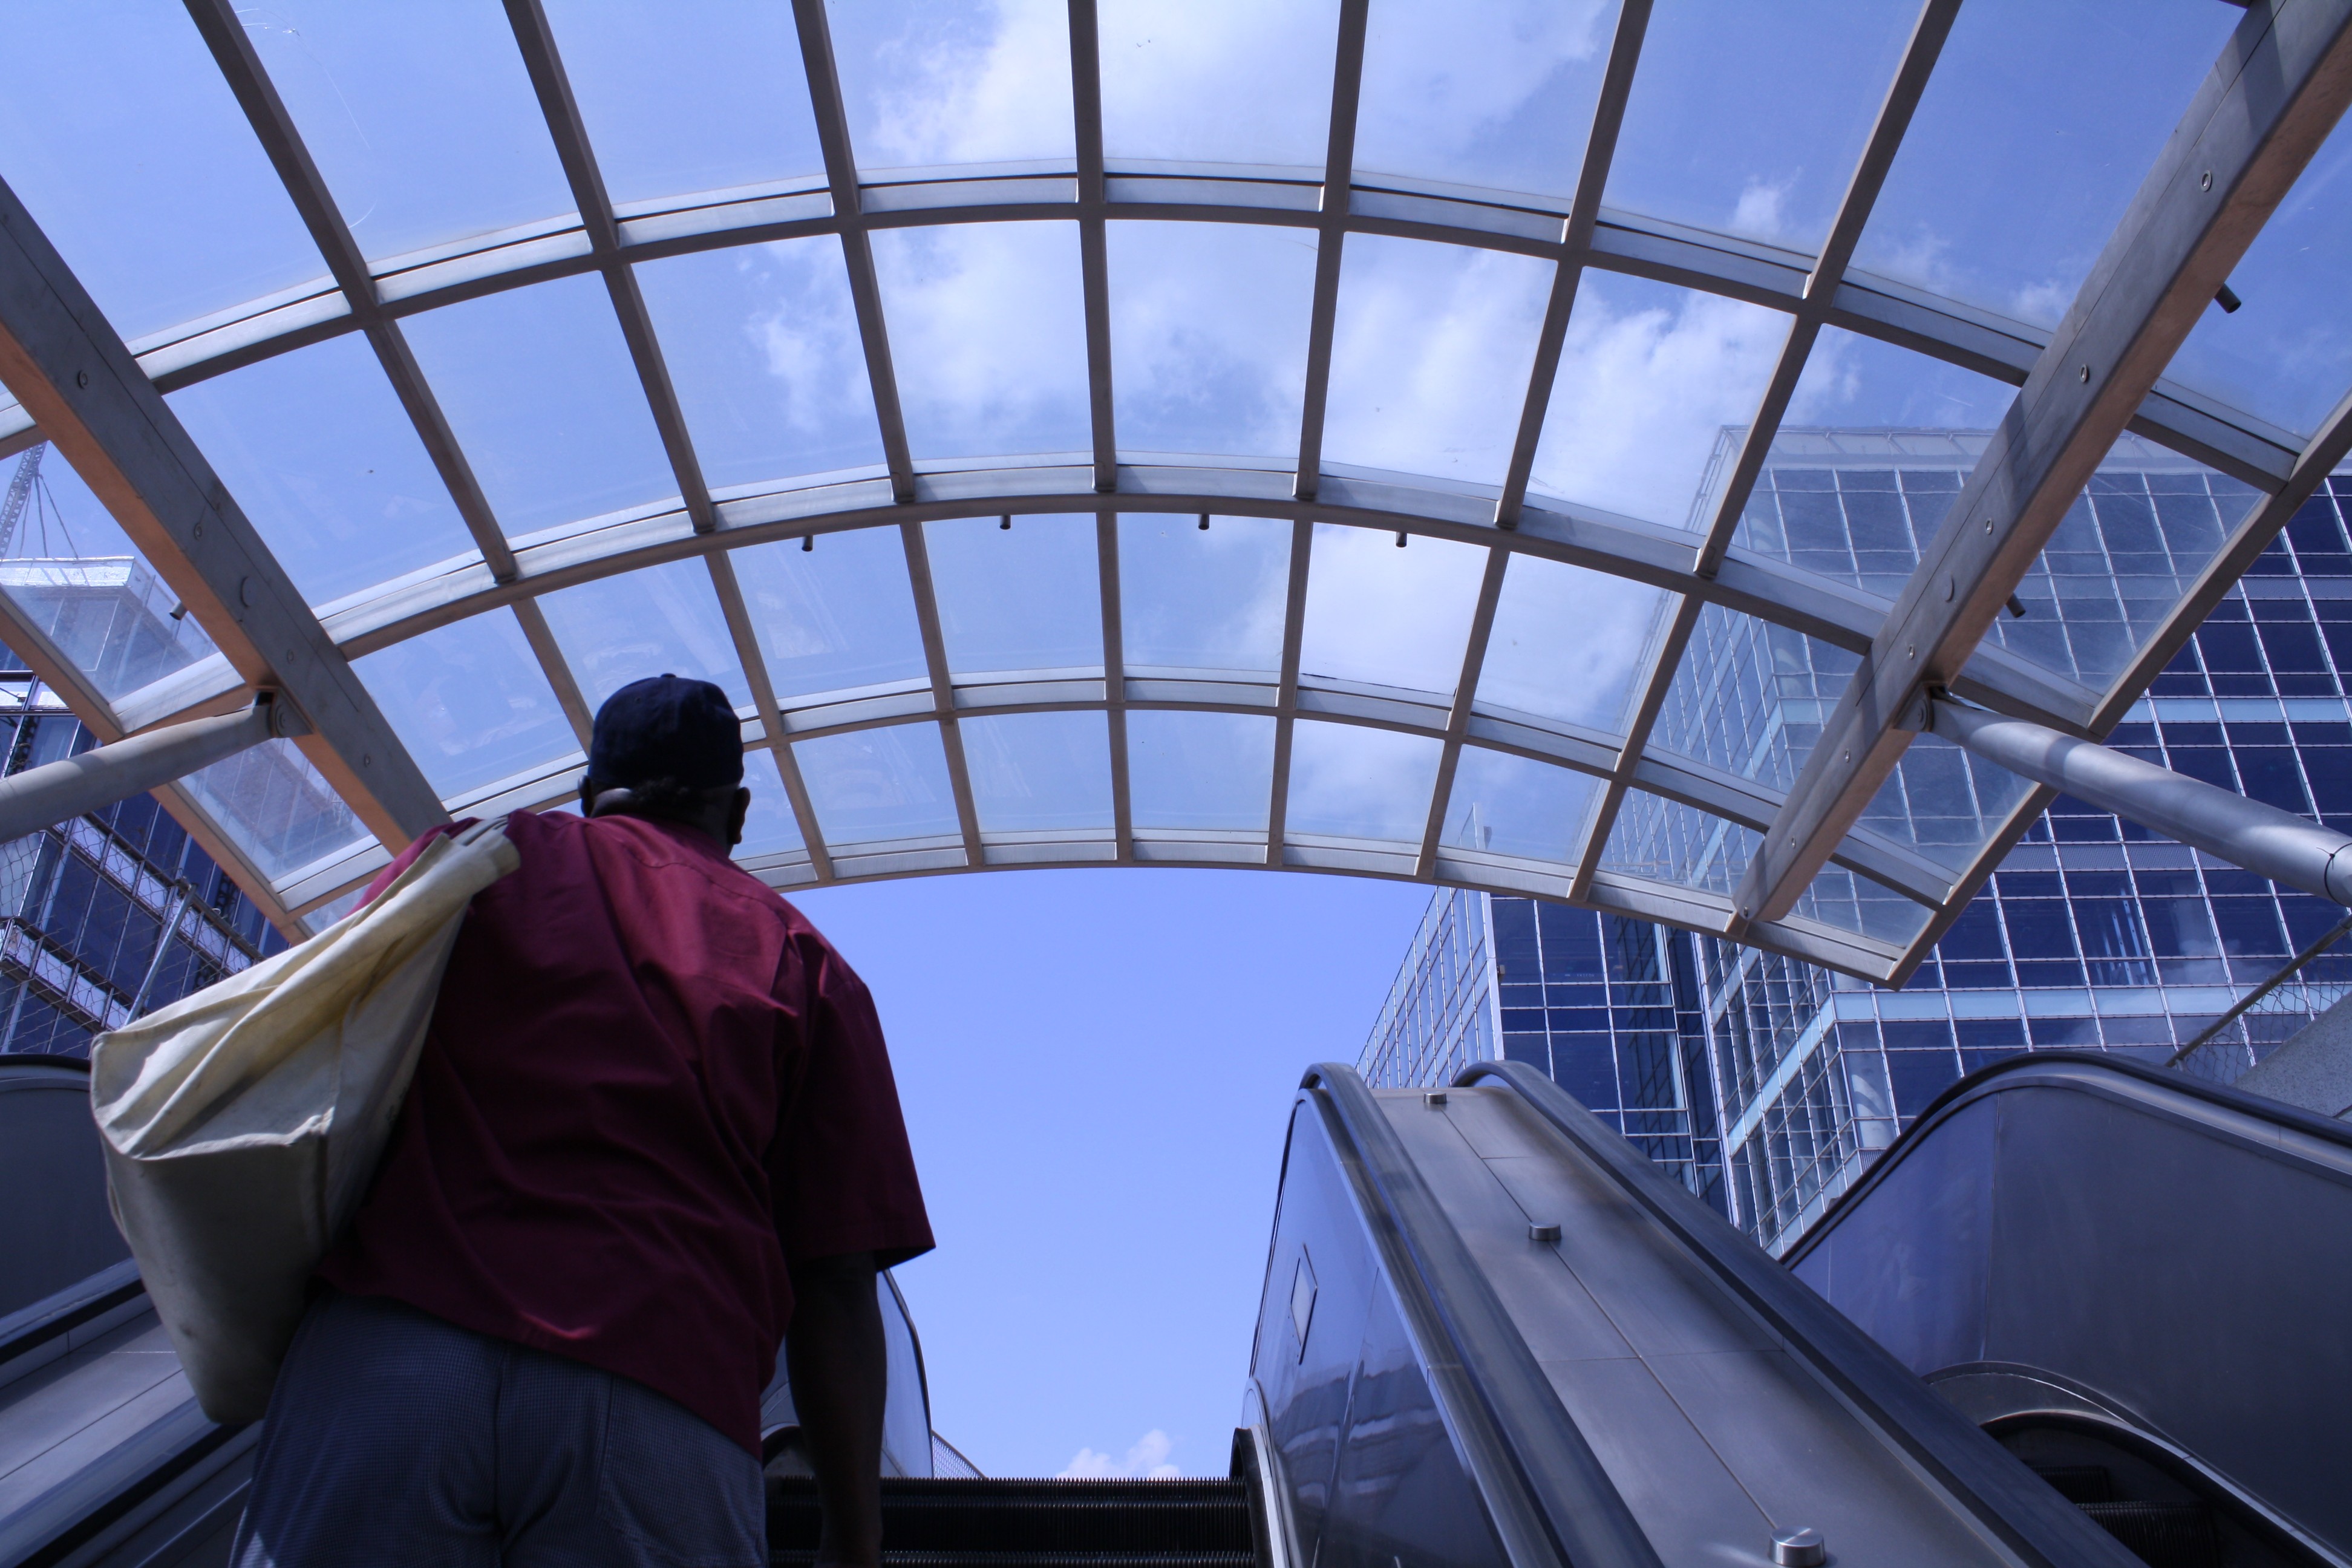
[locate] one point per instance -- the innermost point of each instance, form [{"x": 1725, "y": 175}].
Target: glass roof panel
[
  {"x": 926, "y": 82},
  {"x": 1509, "y": 806},
  {"x": 1667, "y": 841},
  {"x": 834, "y": 617},
  {"x": 695, "y": 95},
  {"x": 1715, "y": 135},
  {"x": 769, "y": 827},
  {"x": 1849, "y": 507},
  {"x": 1430, "y": 355},
  {"x": 1350, "y": 782},
  {"x": 988, "y": 337},
  {"x": 1499, "y": 93},
  {"x": 2023, "y": 154},
  {"x": 657, "y": 620},
  {"x": 1389, "y": 617},
  {"x": 319, "y": 453},
  {"x": 1569, "y": 644},
  {"x": 72, "y": 572},
  {"x": 538, "y": 385},
  {"x": 1208, "y": 336},
  {"x": 1195, "y": 598},
  {"x": 762, "y": 348},
  {"x": 2285, "y": 355},
  {"x": 1749, "y": 698},
  {"x": 407, "y": 179},
  {"x": 1038, "y": 771},
  {"x": 1649, "y": 378},
  {"x": 122, "y": 140},
  {"x": 1854, "y": 383},
  {"x": 872, "y": 785},
  {"x": 1200, "y": 770},
  {"x": 469, "y": 702},
  {"x": 274, "y": 805},
  {"x": 1227, "y": 84},
  {"x": 1944, "y": 802},
  {"x": 2127, "y": 549},
  {"x": 1024, "y": 597},
  {"x": 1878, "y": 442},
  {"x": 1836, "y": 897}
]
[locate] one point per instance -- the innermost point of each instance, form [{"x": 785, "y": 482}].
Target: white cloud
[
  {"x": 1759, "y": 212},
  {"x": 990, "y": 84},
  {"x": 1394, "y": 617},
  {"x": 1245, "y": 81},
  {"x": 1430, "y": 357},
  {"x": 987, "y": 336},
  {"x": 806, "y": 334},
  {"x": 1148, "y": 1459},
  {"x": 1209, "y": 335},
  {"x": 1649, "y": 376},
  {"x": 1354, "y": 783},
  {"x": 1439, "y": 79},
  {"x": 1567, "y": 642}
]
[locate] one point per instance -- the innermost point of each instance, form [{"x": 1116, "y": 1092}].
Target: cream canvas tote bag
[{"x": 242, "y": 1124}]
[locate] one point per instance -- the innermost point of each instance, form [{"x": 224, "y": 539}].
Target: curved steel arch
[
  {"x": 2176, "y": 416},
  {"x": 1702, "y": 566}
]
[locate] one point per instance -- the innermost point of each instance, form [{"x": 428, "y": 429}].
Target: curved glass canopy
[{"x": 1474, "y": 444}]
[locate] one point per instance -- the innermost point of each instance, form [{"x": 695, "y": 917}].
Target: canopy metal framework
[{"x": 2267, "y": 106}]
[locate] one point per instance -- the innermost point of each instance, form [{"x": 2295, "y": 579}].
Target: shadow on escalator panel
[
  {"x": 2138, "y": 1283},
  {"x": 1491, "y": 1332}
]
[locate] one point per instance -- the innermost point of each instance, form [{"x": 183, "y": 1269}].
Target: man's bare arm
[{"x": 840, "y": 1372}]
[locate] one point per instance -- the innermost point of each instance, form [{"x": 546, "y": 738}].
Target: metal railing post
[
  {"x": 2261, "y": 838},
  {"x": 57, "y": 792}
]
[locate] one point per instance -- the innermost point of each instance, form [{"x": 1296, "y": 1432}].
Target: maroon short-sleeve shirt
[{"x": 648, "y": 1084}]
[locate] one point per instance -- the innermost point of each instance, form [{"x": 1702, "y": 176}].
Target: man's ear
[
  {"x": 736, "y": 813},
  {"x": 587, "y": 796}
]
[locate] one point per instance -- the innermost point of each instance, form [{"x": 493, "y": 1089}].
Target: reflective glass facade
[
  {"x": 1606, "y": 1006},
  {"x": 1093, "y": 470},
  {"x": 86, "y": 906},
  {"x": 2095, "y": 933}
]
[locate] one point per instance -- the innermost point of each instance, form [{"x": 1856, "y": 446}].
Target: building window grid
[
  {"x": 2086, "y": 905},
  {"x": 83, "y": 904},
  {"x": 1436, "y": 1020}
]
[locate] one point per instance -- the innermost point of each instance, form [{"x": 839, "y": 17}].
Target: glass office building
[
  {"x": 1769, "y": 1083},
  {"x": 110, "y": 915},
  {"x": 1607, "y": 1006}
]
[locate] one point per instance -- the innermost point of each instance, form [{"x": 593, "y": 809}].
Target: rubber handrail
[
  {"x": 2005, "y": 1498},
  {"x": 1540, "y": 1479},
  {"x": 43, "y": 1059},
  {"x": 1992, "y": 1079}
]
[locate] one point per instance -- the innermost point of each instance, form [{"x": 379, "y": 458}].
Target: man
[{"x": 652, "y": 1122}]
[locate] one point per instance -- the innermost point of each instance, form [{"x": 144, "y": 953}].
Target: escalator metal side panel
[
  {"x": 48, "y": 1145},
  {"x": 907, "y": 1437},
  {"x": 1326, "y": 1323},
  {"x": 2121, "y": 1247},
  {"x": 1407, "y": 1421},
  {"x": 1820, "y": 1426}
]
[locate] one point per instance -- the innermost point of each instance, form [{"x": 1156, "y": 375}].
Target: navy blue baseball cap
[{"x": 668, "y": 727}]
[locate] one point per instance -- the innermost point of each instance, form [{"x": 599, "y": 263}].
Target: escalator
[
  {"x": 1494, "y": 1333},
  {"x": 104, "y": 1456},
  {"x": 1491, "y": 1332},
  {"x": 2138, "y": 1282}
]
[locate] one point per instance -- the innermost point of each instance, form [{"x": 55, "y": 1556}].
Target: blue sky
[
  {"x": 1097, "y": 1064},
  {"x": 1097, "y": 1068}
]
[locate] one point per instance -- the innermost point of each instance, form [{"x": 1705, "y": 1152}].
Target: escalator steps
[
  {"x": 2079, "y": 1483},
  {"x": 1067, "y": 1524},
  {"x": 2162, "y": 1535}
]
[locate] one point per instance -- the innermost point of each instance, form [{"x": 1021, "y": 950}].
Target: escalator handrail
[
  {"x": 2211, "y": 1106},
  {"x": 1540, "y": 1479},
  {"x": 2005, "y": 1498}
]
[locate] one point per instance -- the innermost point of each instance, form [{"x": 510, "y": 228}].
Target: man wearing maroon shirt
[{"x": 653, "y": 1123}]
